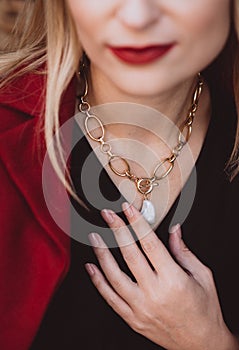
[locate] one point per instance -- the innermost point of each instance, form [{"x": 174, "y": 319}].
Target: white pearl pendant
[{"x": 148, "y": 211}]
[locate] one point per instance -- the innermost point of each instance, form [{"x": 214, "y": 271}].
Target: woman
[{"x": 158, "y": 294}]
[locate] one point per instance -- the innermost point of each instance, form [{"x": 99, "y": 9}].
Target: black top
[{"x": 79, "y": 318}]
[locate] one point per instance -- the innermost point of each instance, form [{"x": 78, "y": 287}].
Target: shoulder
[
  {"x": 24, "y": 99},
  {"x": 21, "y": 100},
  {"x": 25, "y": 93}
]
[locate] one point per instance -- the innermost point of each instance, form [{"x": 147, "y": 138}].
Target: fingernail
[
  {"x": 90, "y": 269},
  {"x": 127, "y": 208},
  {"x": 108, "y": 215},
  {"x": 175, "y": 229},
  {"x": 95, "y": 239}
]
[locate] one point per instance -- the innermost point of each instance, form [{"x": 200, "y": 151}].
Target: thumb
[{"x": 186, "y": 259}]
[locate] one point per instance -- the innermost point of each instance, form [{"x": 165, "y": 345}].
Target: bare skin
[
  {"x": 156, "y": 305},
  {"x": 149, "y": 305},
  {"x": 126, "y": 138}
]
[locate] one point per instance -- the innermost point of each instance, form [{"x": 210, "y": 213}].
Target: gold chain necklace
[{"x": 144, "y": 185}]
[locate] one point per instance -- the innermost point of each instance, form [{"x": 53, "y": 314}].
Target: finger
[
  {"x": 106, "y": 291},
  {"x": 120, "y": 282},
  {"x": 149, "y": 241},
  {"x": 132, "y": 255},
  {"x": 185, "y": 257}
]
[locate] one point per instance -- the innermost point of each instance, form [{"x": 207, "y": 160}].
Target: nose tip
[{"x": 138, "y": 13}]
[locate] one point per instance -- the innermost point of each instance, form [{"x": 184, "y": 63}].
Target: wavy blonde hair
[
  {"x": 30, "y": 50},
  {"x": 34, "y": 37}
]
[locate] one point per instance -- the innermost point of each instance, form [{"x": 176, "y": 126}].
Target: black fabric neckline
[
  {"x": 77, "y": 308},
  {"x": 113, "y": 192}
]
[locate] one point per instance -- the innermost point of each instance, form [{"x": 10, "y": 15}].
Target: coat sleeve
[{"x": 34, "y": 251}]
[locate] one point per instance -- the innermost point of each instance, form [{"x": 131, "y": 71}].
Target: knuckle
[
  {"x": 137, "y": 326},
  {"x": 154, "y": 296},
  {"x": 130, "y": 318},
  {"x": 132, "y": 256},
  {"x": 156, "y": 299},
  {"x": 142, "y": 321},
  {"x": 208, "y": 272},
  {"x": 117, "y": 284},
  {"x": 182, "y": 285},
  {"x": 101, "y": 253},
  {"x": 176, "y": 287},
  {"x": 112, "y": 300},
  {"x": 149, "y": 245},
  {"x": 98, "y": 282}
]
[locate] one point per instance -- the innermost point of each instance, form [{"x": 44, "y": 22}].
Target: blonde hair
[{"x": 36, "y": 35}]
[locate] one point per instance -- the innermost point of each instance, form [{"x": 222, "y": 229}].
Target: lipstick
[{"x": 142, "y": 55}]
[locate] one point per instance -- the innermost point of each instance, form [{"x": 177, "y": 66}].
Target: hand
[{"x": 174, "y": 305}]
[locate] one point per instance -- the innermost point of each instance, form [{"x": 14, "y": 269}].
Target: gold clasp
[{"x": 146, "y": 185}]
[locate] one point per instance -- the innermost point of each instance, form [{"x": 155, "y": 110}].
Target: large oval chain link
[{"x": 144, "y": 185}]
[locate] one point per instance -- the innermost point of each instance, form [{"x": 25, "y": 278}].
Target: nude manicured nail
[
  {"x": 128, "y": 209},
  {"x": 90, "y": 269},
  {"x": 95, "y": 239},
  {"x": 108, "y": 215},
  {"x": 174, "y": 229}
]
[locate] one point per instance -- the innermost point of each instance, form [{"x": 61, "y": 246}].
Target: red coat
[{"x": 34, "y": 252}]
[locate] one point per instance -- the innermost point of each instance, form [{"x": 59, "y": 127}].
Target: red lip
[{"x": 140, "y": 55}]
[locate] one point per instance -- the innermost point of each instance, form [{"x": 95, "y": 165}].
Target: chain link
[{"x": 145, "y": 185}]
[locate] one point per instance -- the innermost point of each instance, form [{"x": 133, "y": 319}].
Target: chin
[
  {"x": 148, "y": 82},
  {"x": 145, "y": 88}
]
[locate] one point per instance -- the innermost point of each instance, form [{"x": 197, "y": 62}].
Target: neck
[
  {"x": 128, "y": 118},
  {"x": 174, "y": 103}
]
